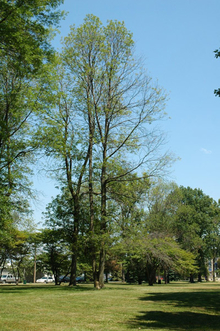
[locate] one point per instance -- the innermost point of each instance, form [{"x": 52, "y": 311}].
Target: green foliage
[
  {"x": 193, "y": 218},
  {"x": 56, "y": 256},
  {"x": 25, "y": 30}
]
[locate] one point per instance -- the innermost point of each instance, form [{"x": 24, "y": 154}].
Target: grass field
[{"x": 176, "y": 306}]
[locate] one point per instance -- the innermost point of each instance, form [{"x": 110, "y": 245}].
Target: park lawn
[{"x": 177, "y": 306}]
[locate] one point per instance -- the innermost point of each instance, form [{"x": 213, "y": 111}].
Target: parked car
[
  {"x": 9, "y": 279},
  {"x": 80, "y": 279},
  {"x": 64, "y": 279},
  {"x": 45, "y": 279}
]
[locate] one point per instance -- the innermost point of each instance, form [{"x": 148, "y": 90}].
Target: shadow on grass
[
  {"x": 207, "y": 299},
  {"x": 200, "y": 311},
  {"x": 6, "y": 288},
  {"x": 178, "y": 321},
  {"x": 26, "y": 288}
]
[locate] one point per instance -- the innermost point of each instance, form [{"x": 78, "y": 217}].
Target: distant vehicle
[
  {"x": 9, "y": 279},
  {"x": 64, "y": 279},
  {"x": 80, "y": 279},
  {"x": 45, "y": 279}
]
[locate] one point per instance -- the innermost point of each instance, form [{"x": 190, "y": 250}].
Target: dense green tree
[
  {"x": 25, "y": 31},
  {"x": 56, "y": 253},
  {"x": 21, "y": 98},
  {"x": 151, "y": 252},
  {"x": 194, "y": 222},
  {"x": 144, "y": 236},
  {"x": 61, "y": 220},
  {"x": 213, "y": 242}
]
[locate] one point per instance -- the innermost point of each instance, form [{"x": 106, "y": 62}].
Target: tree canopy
[{"x": 25, "y": 31}]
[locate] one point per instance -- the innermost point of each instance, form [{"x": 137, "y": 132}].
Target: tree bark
[
  {"x": 213, "y": 269},
  {"x": 151, "y": 274},
  {"x": 75, "y": 242},
  {"x": 103, "y": 220}
]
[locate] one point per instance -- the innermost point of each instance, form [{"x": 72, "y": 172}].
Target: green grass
[{"x": 176, "y": 306}]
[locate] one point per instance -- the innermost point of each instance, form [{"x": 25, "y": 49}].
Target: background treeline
[{"x": 91, "y": 113}]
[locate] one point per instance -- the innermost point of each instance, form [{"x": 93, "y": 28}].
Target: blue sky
[{"x": 177, "y": 39}]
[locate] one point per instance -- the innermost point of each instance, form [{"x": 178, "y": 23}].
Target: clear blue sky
[{"x": 177, "y": 38}]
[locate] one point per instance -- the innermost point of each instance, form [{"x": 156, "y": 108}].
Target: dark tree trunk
[
  {"x": 191, "y": 278},
  {"x": 199, "y": 277},
  {"x": 101, "y": 267},
  {"x": 73, "y": 267},
  {"x": 103, "y": 220},
  {"x": 213, "y": 269},
  {"x": 151, "y": 274}
]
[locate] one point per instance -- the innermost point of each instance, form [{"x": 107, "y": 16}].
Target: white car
[
  {"x": 45, "y": 279},
  {"x": 9, "y": 279}
]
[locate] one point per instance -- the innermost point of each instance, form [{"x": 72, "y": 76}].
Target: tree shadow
[
  {"x": 178, "y": 321},
  {"x": 180, "y": 314},
  {"x": 46, "y": 288},
  {"x": 207, "y": 299},
  {"x": 8, "y": 288}
]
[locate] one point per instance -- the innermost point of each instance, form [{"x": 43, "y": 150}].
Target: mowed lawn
[{"x": 177, "y": 306}]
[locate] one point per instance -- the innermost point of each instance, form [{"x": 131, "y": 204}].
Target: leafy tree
[
  {"x": 61, "y": 223},
  {"x": 155, "y": 251},
  {"x": 195, "y": 219},
  {"x": 213, "y": 242},
  {"x": 24, "y": 48},
  {"x": 161, "y": 204},
  {"x": 119, "y": 103},
  {"x": 20, "y": 100},
  {"x": 25, "y": 31},
  {"x": 57, "y": 253}
]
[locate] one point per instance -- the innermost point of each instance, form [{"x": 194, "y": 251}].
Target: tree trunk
[
  {"x": 191, "y": 278},
  {"x": 73, "y": 269},
  {"x": 151, "y": 274},
  {"x": 35, "y": 263},
  {"x": 199, "y": 277},
  {"x": 101, "y": 266},
  {"x": 103, "y": 218},
  {"x": 91, "y": 204},
  {"x": 213, "y": 269},
  {"x": 75, "y": 242},
  {"x": 122, "y": 273},
  {"x": 165, "y": 276}
]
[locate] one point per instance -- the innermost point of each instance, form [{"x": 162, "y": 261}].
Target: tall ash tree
[
  {"x": 102, "y": 129},
  {"x": 120, "y": 104}
]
